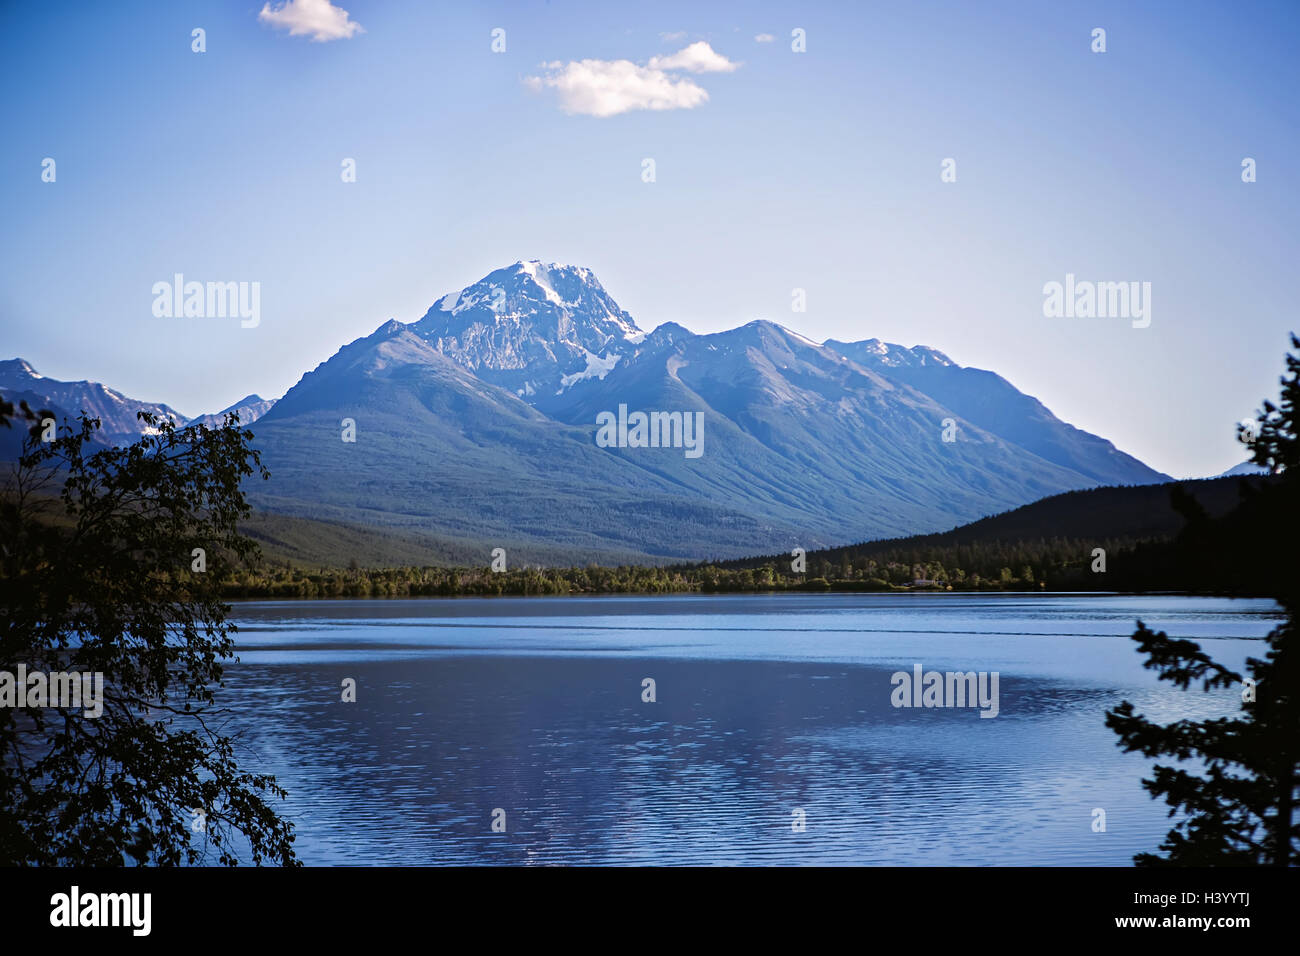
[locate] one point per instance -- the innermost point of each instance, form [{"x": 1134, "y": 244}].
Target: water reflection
[{"x": 758, "y": 713}]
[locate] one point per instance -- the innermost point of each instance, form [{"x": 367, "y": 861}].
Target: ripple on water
[{"x": 745, "y": 732}]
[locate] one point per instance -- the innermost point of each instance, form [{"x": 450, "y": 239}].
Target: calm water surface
[{"x": 765, "y": 704}]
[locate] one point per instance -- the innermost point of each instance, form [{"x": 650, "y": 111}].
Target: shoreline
[{"x": 294, "y": 598}]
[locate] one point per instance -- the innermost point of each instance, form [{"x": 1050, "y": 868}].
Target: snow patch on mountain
[
  {"x": 890, "y": 355},
  {"x": 597, "y": 368},
  {"x": 802, "y": 338},
  {"x": 541, "y": 276}
]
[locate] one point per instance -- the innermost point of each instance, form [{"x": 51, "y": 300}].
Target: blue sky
[{"x": 817, "y": 170}]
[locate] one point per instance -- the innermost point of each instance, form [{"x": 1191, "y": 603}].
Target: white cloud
[
  {"x": 764, "y": 38},
  {"x": 699, "y": 57},
  {"x": 609, "y": 87},
  {"x": 318, "y": 18},
  {"x": 673, "y": 37}
]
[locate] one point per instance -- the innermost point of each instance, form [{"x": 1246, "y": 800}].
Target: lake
[{"x": 772, "y": 737}]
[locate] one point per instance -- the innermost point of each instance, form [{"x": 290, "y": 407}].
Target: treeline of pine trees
[
  {"x": 287, "y": 581},
  {"x": 1041, "y": 565},
  {"x": 1224, "y": 555}
]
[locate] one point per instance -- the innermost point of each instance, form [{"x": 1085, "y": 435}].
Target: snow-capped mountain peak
[{"x": 533, "y": 327}]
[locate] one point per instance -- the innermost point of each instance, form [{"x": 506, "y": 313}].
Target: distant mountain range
[
  {"x": 116, "y": 412},
  {"x": 477, "y": 424}
]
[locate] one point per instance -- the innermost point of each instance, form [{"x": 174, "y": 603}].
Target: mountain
[
  {"x": 116, "y": 412},
  {"x": 479, "y": 426},
  {"x": 250, "y": 408},
  {"x": 479, "y": 421}
]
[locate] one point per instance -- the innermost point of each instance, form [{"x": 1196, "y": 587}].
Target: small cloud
[
  {"x": 673, "y": 37},
  {"x": 609, "y": 87},
  {"x": 699, "y": 57},
  {"x": 764, "y": 38},
  {"x": 319, "y": 19}
]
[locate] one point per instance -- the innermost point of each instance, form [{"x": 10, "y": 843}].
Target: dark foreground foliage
[
  {"x": 110, "y": 566},
  {"x": 1233, "y": 781}
]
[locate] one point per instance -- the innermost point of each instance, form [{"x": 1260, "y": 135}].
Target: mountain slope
[
  {"x": 991, "y": 402},
  {"x": 796, "y": 429},
  {"x": 439, "y": 449}
]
